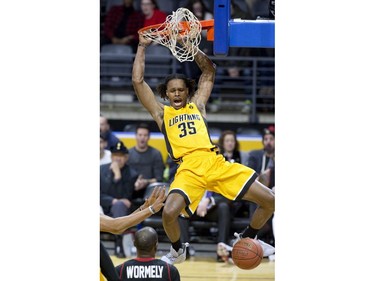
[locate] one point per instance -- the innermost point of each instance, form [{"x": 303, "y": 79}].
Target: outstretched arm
[
  {"x": 120, "y": 224},
  {"x": 206, "y": 81},
  {"x": 141, "y": 88}
]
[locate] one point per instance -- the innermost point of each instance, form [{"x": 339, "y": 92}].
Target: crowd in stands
[
  {"x": 126, "y": 173},
  {"x": 121, "y": 19}
]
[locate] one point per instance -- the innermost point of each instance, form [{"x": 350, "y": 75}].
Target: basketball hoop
[{"x": 181, "y": 33}]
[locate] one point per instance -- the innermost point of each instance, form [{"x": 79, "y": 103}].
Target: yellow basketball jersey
[{"x": 185, "y": 130}]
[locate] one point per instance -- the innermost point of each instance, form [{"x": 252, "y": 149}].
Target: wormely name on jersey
[
  {"x": 144, "y": 271},
  {"x": 183, "y": 117}
]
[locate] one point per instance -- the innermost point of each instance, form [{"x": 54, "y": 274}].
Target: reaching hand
[
  {"x": 156, "y": 199},
  {"x": 186, "y": 43},
  {"x": 144, "y": 41}
]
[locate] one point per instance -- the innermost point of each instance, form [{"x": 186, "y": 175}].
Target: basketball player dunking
[{"x": 201, "y": 167}]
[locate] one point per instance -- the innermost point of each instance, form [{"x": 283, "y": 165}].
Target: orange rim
[{"x": 206, "y": 24}]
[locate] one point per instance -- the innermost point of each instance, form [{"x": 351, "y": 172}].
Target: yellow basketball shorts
[{"x": 202, "y": 171}]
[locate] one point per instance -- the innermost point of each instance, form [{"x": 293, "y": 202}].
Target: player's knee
[
  {"x": 170, "y": 213},
  {"x": 270, "y": 202}
]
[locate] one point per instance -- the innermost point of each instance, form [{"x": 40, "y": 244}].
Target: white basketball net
[{"x": 172, "y": 29}]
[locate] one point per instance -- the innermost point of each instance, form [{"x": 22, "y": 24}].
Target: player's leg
[
  {"x": 235, "y": 182},
  {"x": 185, "y": 193},
  {"x": 265, "y": 199},
  {"x": 174, "y": 204},
  {"x": 185, "y": 235}
]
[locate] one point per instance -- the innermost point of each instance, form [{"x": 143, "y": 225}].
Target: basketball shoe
[
  {"x": 176, "y": 257},
  {"x": 267, "y": 249}
]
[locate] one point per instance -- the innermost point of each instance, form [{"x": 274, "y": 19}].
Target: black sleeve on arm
[{"x": 106, "y": 265}]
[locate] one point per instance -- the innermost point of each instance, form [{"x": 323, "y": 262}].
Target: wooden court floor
[{"x": 202, "y": 268}]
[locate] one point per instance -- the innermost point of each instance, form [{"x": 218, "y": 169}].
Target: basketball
[{"x": 247, "y": 253}]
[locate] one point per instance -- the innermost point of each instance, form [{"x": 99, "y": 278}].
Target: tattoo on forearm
[{"x": 203, "y": 61}]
